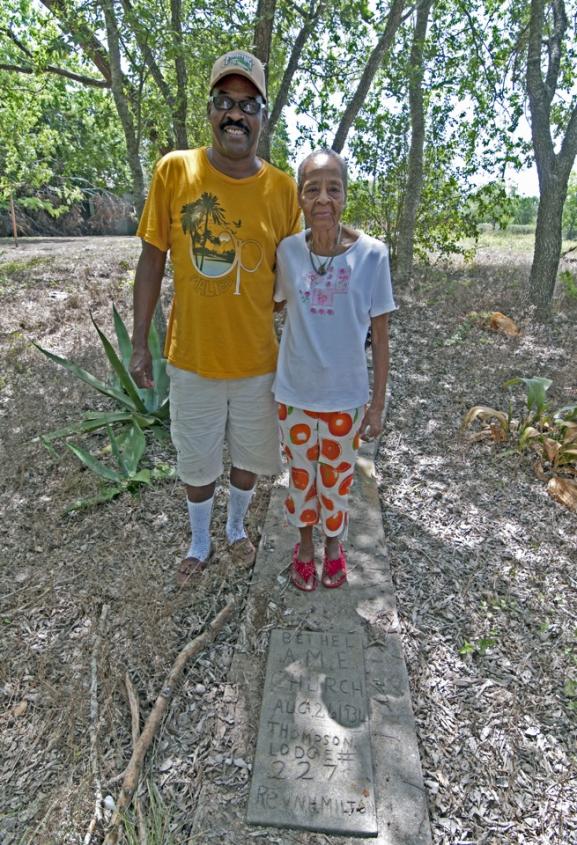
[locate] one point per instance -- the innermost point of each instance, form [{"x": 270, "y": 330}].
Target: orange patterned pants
[{"x": 321, "y": 449}]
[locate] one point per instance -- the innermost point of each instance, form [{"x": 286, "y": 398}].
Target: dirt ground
[{"x": 484, "y": 563}]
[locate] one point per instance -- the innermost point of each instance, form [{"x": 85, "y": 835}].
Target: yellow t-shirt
[{"x": 222, "y": 234}]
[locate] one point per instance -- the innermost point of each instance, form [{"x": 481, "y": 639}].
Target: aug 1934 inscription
[{"x": 313, "y": 767}]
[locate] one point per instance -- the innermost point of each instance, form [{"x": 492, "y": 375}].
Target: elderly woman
[{"x": 336, "y": 284}]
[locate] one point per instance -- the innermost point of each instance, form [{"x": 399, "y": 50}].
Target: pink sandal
[
  {"x": 338, "y": 566},
  {"x": 306, "y": 572}
]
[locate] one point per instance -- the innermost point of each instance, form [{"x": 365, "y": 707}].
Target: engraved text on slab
[{"x": 313, "y": 768}]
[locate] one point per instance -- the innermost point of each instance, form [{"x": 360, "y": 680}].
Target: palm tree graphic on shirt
[
  {"x": 215, "y": 249},
  {"x": 196, "y": 218}
]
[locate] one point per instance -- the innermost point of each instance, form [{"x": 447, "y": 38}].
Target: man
[{"x": 221, "y": 211}]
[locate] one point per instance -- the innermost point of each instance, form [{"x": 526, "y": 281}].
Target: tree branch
[
  {"x": 94, "y": 719},
  {"x": 148, "y": 55},
  {"x": 21, "y": 46},
  {"x": 554, "y": 46},
  {"x": 81, "y": 34},
  {"x": 292, "y": 64},
  {"x": 59, "y": 71},
  {"x": 132, "y": 772},
  {"x": 539, "y": 99},
  {"x": 375, "y": 59},
  {"x": 568, "y": 149}
]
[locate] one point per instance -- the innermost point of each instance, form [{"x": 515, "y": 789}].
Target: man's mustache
[{"x": 237, "y": 123}]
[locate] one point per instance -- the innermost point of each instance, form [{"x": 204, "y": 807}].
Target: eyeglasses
[{"x": 223, "y": 102}]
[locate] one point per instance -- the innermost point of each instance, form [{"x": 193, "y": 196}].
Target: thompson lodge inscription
[{"x": 313, "y": 768}]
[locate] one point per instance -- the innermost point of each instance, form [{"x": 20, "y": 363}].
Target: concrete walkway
[{"x": 366, "y": 604}]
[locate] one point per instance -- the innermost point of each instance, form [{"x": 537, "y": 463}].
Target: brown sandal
[
  {"x": 191, "y": 568},
  {"x": 242, "y": 552}
]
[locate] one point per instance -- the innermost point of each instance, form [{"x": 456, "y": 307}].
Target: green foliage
[
  {"x": 56, "y": 135},
  {"x": 536, "y": 389},
  {"x": 478, "y": 647},
  {"x": 491, "y": 204},
  {"x": 569, "y": 282},
  {"x": 59, "y": 134},
  {"x": 138, "y": 409},
  {"x": 125, "y": 475},
  {"x": 551, "y": 434},
  {"x": 570, "y": 210},
  {"x": 524, "y": 209},
  {"x": 156, "y": 822}
]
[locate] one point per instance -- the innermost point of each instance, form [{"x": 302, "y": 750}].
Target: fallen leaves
[
  {"x": 563, "y": 491},
  {"x": 499, "y": 322},
  {"x": 484, "y": 412},
  {"x": 20, "y": 709}
]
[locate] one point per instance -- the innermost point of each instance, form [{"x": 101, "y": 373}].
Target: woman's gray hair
[{"x": 327, "y": 152}]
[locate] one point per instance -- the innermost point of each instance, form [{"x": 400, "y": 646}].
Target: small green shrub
[{"x": 569, "y": 283}]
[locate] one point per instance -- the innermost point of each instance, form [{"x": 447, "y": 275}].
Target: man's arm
[
  {"x": 372, "y": 421},
  {"x": 147, "y": 283}
]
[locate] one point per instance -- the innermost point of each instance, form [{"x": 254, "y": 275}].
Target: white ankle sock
[
  {"x": 199, "y": 514},
  {"x": 238, "y": 503}
]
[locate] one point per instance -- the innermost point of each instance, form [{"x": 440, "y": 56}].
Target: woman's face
[{"x": 322, "y": 192}]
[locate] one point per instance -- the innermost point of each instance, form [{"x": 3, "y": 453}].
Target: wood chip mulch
[{"x": 484, "y": 563}]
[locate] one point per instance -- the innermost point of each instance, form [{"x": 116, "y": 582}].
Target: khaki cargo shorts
[{"x": 205, "y": 413}]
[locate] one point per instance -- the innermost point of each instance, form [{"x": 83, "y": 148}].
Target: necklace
[{"x": 324, "y": 266}]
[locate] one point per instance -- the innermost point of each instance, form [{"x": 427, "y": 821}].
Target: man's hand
[
  {"x": 149, "y": 272},
  {"x": 141, "y": 366},
  {"x": 371, "y": 424}
]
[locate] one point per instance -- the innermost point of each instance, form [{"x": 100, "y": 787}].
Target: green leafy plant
[
  {"x": 125, "y": 476},
  {"x": 138, "y": 410},
  {"x": 551, "y": 434},
  {"x": 570, "y": 692},
  {"x": 569, "y": 282},
  {"x": 479, "y": 646},
  {"x": 537, "y": 404},
  {"x": 149, "y": 408},
  {"x": 155, "y": 821}
]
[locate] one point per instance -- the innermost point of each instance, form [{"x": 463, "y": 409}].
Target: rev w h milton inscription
[{"x": 313, "y": 768}]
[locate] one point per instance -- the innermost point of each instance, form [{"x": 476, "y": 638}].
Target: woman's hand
[{"x": 371, "y": 424}]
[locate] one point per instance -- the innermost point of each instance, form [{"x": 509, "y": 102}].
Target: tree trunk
[
  {"x": 548, "y": 239},
  {"x": 281, "y": 98},
  {"x": 263, "y": 32},
  {"x": 181, "y": 102},
  {"x": 123, "y": 108},
  {"x": 13, "y": 218},
  {"x": 375, "y": 60},
  {"x": 413, "y": 188},
  {"x": 261, "y": 47},
  {"x": 553, "y": 169}
]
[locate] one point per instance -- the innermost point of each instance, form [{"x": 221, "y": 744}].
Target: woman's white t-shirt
[{"x": 322, "y": 362}]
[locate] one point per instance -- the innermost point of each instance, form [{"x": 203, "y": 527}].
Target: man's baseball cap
[{"x": 240, "y": 63}]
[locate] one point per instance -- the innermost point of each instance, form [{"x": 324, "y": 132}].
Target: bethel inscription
[{"x": 313, "y": 767}]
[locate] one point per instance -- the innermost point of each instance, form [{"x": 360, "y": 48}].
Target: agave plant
[
  {"x": 149, "y": 408},
  {"x": 125, "y": 476},
  {"x": 137, "y": 410}
]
